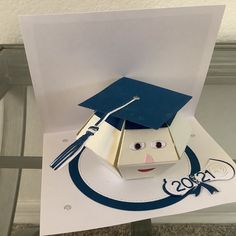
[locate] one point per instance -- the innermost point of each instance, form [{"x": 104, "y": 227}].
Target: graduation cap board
[
  {"x": 142, "y": 111},
  {"x": 71, "y": 58}
]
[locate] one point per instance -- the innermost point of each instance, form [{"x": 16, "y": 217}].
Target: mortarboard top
[{"x": 155, "y": 107}]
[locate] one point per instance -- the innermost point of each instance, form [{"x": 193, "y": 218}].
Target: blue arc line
[
  {"x": 123, "y": 205},
  {"x": 194, "y": 163}
]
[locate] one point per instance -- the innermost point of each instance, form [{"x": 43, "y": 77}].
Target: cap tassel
[
  {"x": 73, "y": 150},
  {"x": 77, "y": 147}
]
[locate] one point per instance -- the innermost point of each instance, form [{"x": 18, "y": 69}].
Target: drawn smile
[{"x": 146, "y": 170}]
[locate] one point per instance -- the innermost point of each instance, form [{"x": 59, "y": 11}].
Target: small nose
[{"x": 148, "y": 159}]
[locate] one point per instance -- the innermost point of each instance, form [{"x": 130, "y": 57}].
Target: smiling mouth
[{"x": 146, "y": 170}]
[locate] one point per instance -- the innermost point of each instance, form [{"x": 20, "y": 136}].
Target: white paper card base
[
  {"x": 62, "y": 49},
  {"x": 64, "y": 208}
]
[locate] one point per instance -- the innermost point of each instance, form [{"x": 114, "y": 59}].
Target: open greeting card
[{"x": 132, "y": 149}]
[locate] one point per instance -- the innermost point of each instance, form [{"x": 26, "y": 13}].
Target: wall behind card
[{"x": 10, "y": 10}]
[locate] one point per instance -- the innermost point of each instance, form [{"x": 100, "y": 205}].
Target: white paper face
[{"x": 144, "y": 147}]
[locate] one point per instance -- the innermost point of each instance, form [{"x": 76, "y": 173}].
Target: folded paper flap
[
  {"x": 180, "y": 130},
  {"x": 105, "y": 142},
  {"x": 155, "y": 107}
]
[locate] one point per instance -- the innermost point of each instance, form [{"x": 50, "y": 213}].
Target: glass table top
[{"x": 21, "y": 141}]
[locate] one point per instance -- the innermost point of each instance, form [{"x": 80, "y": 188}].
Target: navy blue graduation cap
[{"x": 140, "y": 104}]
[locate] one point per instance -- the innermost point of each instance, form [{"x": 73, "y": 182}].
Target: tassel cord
[
  {"x": 65, "y": 152},
  {"x": 79, "y": 144}
]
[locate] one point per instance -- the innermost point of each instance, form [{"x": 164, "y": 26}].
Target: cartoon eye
[
  {"x": 158, "y": 144},
  {"x": 137, "y": 146}
]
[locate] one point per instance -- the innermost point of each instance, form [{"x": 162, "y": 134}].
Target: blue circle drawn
[{"x": 123, "y": 205}]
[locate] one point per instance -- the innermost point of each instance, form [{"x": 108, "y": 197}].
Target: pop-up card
[
  {"x": 130, "y": 104},
  {"x": 132, "y": 149}
]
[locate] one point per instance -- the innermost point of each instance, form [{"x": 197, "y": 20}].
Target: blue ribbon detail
[
  {"x": 73, "y": 148},
  {"x": 196, "y": 190},
  {"x": 195, "y": 168}
]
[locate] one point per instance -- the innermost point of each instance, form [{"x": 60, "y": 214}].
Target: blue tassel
[
  {"x": 77, "y": 147},
  {"x": 70, "y": 151}
]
